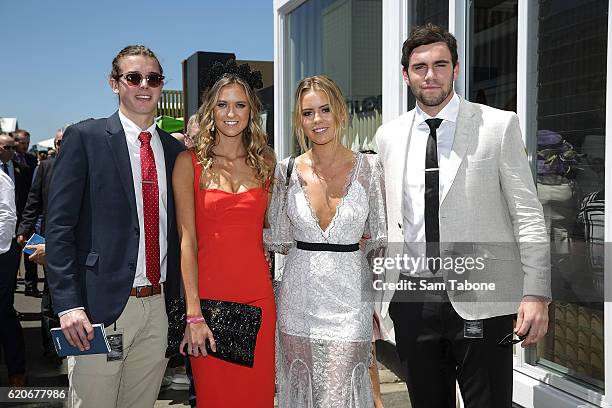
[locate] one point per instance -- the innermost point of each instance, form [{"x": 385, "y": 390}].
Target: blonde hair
[
  {"x": 260, "y": 156},
  {"x": 336, "y": 102},
  {"x": 193, "y": 119}
]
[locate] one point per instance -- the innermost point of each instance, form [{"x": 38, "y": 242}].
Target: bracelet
[{"x": 195, "y": 319}]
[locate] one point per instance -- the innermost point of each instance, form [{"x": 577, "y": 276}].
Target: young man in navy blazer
[{"x": 112, "y": 243}]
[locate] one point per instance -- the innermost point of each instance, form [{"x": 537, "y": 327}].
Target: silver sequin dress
[{"x": 324, "y": 304}]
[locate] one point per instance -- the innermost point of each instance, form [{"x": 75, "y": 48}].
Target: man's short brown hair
[
  {"x": 132, "y": 50},
  {"x": 428, "y": 34},
  {"x": 20, "y": 132}
]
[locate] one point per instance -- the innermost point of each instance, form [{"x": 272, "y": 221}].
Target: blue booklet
[
  {"x": 99, "y": 344},
  {"x": 35, "y": 239}
]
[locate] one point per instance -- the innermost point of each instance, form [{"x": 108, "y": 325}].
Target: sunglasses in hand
[
  {"x": 135, "y": 79},
  {"x": 509, "y": 339}
]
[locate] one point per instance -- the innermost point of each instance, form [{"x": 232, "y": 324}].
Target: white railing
[{"x": 359, "y": 135}]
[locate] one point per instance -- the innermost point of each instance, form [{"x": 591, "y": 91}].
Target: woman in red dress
[{"x": 221, "y": 194}]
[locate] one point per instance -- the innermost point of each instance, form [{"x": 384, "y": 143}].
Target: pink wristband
[{"x": 195, "y": 319}]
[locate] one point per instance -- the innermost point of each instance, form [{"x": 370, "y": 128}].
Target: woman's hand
[
  {"x": 195, "y": 338},
  {"x": 268, "y": 260}
]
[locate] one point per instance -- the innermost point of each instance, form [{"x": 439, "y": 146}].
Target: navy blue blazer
[{"x": 92, "y": 230}]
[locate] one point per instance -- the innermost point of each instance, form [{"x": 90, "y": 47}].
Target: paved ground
[
  {"x": 51, "y": 373},
  {"x": 393, "y": 392}
]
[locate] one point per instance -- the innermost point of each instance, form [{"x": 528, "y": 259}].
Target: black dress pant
[
  {"x": 11, "y": 333},
  {"x": 434, "y": 353},
  {"x": 48, "y": 321},
  {"x": 31, "y": 273}
]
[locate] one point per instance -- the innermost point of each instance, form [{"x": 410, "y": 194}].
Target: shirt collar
[
  {"x": 9, "y": 164},
  {"x": 449, "y": 112},
  {"x": 132, "y": 130}
]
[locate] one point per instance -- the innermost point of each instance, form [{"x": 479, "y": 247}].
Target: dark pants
[
  {"x": 11, "y": 333},
  {"x": 434, "y": 354},
  {"x": 48, "y": 321},
  {"x": 31, "y": 273}
]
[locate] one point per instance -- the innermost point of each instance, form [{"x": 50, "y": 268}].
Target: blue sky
[{"x": 56, "y": 54}]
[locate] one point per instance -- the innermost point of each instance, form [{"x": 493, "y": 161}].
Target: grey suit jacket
[{"x": 488, "y": 210}]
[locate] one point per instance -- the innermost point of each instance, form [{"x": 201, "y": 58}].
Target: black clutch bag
[
  {"x": 234, "y": 327},
  {"x": 176, "y": 310}
]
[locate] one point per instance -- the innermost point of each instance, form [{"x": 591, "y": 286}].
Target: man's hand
[
  {"x": 38, "y": 255},
  {"x": 363, "y": 241},
  {"x": 21, "y": 240},
  {"x": 533, "y": 318},
  {"x": 77, "y": 329}
]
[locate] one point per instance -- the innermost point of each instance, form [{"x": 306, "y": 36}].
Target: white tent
[
  {"x": 45, "y": 144},
  {"x": 8, "y": 124}
]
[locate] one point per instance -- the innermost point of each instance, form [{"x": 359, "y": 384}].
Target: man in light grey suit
[{"x": 458, "y": 182}]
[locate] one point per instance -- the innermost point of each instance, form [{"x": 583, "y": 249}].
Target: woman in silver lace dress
[{"x": 324, "y": 308}]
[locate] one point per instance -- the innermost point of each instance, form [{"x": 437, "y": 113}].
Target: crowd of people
[
  {"x": 25, "y": 181},
  {"x": 135, "y": 219}
]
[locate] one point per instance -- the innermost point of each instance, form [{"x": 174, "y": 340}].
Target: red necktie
[{"x": 150, "y": 203}]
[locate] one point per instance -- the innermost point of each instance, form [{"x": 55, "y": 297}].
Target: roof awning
[{"x": 170, "y": 124}]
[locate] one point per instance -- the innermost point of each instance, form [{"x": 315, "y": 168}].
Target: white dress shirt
[
  {"x": 133, "y": 144},
  {"x": 413, "y": 206},
  {"x": 8, "y": 212}
]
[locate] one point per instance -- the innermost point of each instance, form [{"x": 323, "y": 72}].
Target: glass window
[
  {"x": 571, "y": 108},
  {"x": 429, "y": 11},
  {"x": 423, "y": 12},
  {"x": 492, "y": 44},
  {"x": 343, "y": 40},
  {"x": 568, "y": 94}
]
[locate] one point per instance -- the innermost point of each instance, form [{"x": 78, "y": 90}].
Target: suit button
[
  {"x": 132, "y": 266},
  {"x": 137, "y": 231}
]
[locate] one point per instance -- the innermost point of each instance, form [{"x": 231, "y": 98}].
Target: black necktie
[
  {"x": 432, "y": 199},
  {"x": 5, "y": 168}
]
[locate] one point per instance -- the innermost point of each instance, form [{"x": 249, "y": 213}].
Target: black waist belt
[{"x": 320, "y": 246}]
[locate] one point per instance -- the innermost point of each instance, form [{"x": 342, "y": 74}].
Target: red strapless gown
[{"x": 232, "y": 267}]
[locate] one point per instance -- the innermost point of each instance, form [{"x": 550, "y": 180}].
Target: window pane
[
  {"x": 571, "y": 108},
  {"x": 343, "y": 40},
  {"x": 492, "y": 53},
  {"x": 423, "y": 12}
]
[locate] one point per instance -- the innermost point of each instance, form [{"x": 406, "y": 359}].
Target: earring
[{"x": 116, "y": 90}]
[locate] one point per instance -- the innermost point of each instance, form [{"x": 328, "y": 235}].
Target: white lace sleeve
[
  {"x": 279, "y": 237},
  {"x": 376, "y": 225}
]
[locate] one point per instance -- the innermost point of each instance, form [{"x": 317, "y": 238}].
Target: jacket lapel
[
  {"x": 465, "y": 133},
  {"x": 169, "y": 158},
  {"x": 118, "y": 146},
  {"x": 398, "y": 156}
]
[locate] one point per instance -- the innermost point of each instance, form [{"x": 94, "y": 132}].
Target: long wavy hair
[{"x": 260, "y": 156}]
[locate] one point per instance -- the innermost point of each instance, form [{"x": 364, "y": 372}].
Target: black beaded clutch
[{"x": 234, "y": 327}]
